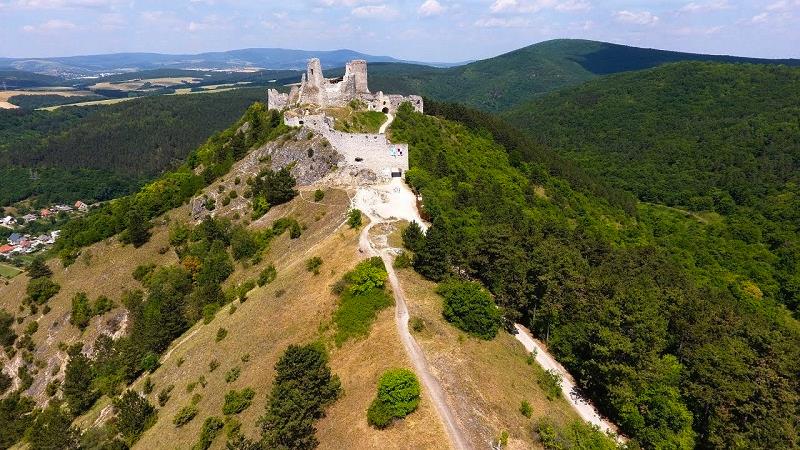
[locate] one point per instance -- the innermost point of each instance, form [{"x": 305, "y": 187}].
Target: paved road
[{"x": 430, "y": 383}]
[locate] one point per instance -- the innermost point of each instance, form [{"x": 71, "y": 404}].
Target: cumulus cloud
[
  {"x": 532, "y": 6},
  {"x": 498, "y": 22},
  {"x": 50, "y": 26},
  {"x": 713, "y": 5},
  {"x": 636, "y": 17},
  {"x": 430, "y": 8},
  {"x": 374, "y": 11}
]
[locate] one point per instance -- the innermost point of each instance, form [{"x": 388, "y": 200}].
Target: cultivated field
[{"x": 66, "y": 92}]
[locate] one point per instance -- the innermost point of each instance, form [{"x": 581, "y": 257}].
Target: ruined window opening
[
  {"x": 385, "y": 110},
  {"x": 359, "y": 159},
  {"x": 301, "y": 122}
]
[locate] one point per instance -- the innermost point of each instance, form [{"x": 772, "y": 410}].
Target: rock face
[{"x": 315, "y": 89}]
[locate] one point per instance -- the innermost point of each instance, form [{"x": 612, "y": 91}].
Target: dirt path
[
  {"x": 389, "y": 120},
  {"x": 368, "y": 200},
  {"x": 583, "y": 406}
]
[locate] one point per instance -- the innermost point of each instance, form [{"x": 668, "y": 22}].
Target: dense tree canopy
[{"x": 677, "y": 360}]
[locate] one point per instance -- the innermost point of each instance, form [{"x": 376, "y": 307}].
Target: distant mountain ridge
[
  {"x": 510, "y": 79},
  {"x": 267, "y": 58}
]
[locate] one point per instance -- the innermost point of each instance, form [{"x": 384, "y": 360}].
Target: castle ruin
[{"x": 315, "y": 89}]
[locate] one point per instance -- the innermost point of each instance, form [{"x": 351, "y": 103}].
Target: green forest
[
  {"x": 719, "y": 143},
  {"x": 643, "y": 336},
  {"x": 98, "y": 153}
]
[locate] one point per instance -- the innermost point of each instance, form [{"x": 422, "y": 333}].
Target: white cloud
[
  {"x": 60, "y": 4},
  {"x": 532, "y": 6},
  {"x": 760, "y": 18},
  {"x": 430, "y": 8},
  {"x": 50, "y": 26},
  {"x": 713, "y": 5},
  {"x": 497, "y": 22},
  {"x": 636, "y": 17},
  {"x": 374, "y": 11}
]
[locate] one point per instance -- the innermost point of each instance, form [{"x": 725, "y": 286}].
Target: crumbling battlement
[{"x": 315, "y": 89}]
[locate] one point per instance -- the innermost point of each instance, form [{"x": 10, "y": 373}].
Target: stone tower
[
  {"x": 314, "y": 86},
  {"x": 357, "y": 69}
]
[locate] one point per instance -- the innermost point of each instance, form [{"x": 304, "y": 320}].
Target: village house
[
  {"x": 45, "y": 212},
  {"x": 6, "y": 249},
  {"x": 29, "y": 217},
  {"x": 8, "y": 222},
  {"x": 82, "y": 207},
  {"x": 15, "y": 239}
]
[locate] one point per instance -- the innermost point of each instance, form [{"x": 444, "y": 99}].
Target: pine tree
[
  {"x": 137, "y": 228},
  {"x": 413, "y": 237},
  {"x": 433, "y": 259},
  {"x": 39, "y": 269},
  {"x": 77, "y": 384}
]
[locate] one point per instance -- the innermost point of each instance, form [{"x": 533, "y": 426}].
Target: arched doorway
[{"x": 385, "y": 110}]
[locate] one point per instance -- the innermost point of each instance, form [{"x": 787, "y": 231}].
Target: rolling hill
[{"x": 499, "y": 83}]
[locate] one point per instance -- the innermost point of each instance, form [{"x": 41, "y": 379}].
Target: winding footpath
[{"x": 370, "y": 206}]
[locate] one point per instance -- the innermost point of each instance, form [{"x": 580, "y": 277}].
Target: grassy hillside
[
  {"x": 699, "y": 137},
  {"x": 103, "y": 152},
  {"x": 499, "y": 83}
]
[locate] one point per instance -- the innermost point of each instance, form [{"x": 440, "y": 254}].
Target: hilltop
[{"x": 501, "y": 82}]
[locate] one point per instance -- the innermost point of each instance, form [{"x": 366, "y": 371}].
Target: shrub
[
  {"x": 267, "y": 275},
  {"x": 81, "y": 311},
  {"x": 143, "y": 271},
  {"x": 213, "y": 365},
  {"x": 525, "y": 409},
  {"x": 354, "y": 218},
  {"x": 40, "y": 290},
  {"x": 366, "y": 277},
  {"x": 150, "y": 362},
  {"x": 319, "y": 194},
  {"x": 211, "y": 427},
  {"x": 226, "y": 201},
  {"x": 402, "y": 261},
  {"x": 148, "y": 385},
  {"x": 398, "y": 396},
  {"x": 102, "y": 305},
  {"x": 38, "y": 269},
  {"x": 185, "y": 415},
  {"x": 417, "y": 324},
  {"x": 233, "y": 374},
  {"x": 164, "y": 394},
  {"x": 237, "y": 401},
  {"x": 313, "y": 264},
  {"x": 470, "y": 308},
  {"x": 221, "y": 333},
  {"x": 550, "y": 382},
  {"x": 244, "y": 288}
]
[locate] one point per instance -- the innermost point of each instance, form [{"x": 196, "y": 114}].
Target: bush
[
  {"x": 40, "y": 290},
  {"x": 402, "y": 261},
  {"x": 213, "y": 365},
  {"x": 221, "y": 333},
  {"x": 233, "y": 374},
  {"x": 150, "y": 362},
  {"x": 319, "y": 194},
  {"x": 185, "y": 415},
  {"x": 237, "y": 401},
  {"x": 81, "y": 311},
  {"x": 525, "y": 409},
  {"x": 267, "y": 275},
  {"x": 313, "y": 264},
  {"x": 148, "y": 385},
  {"x": 164, "y": 394},
  {"x": 470, "y": 308},
  {"x": 354, "y": 218},
  {"x": 211, "y": 427},
  {"x": 102, "y": 305},
  {"x": 417, "y": 324},
  {"x": 550, "y": 382},
  {"x": 398, "y": 396}
]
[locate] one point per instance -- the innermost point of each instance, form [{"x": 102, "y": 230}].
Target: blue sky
[{"x": 426, "y": 30}]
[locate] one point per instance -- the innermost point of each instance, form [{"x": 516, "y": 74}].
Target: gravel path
[
  {"x": 585, "y": 409},
  {"x": 381, "y": 208}
]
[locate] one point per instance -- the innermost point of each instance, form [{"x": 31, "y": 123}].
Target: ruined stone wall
[
  {"x": 276, "y": 100},
  {"x": 379, "y": 101}
]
